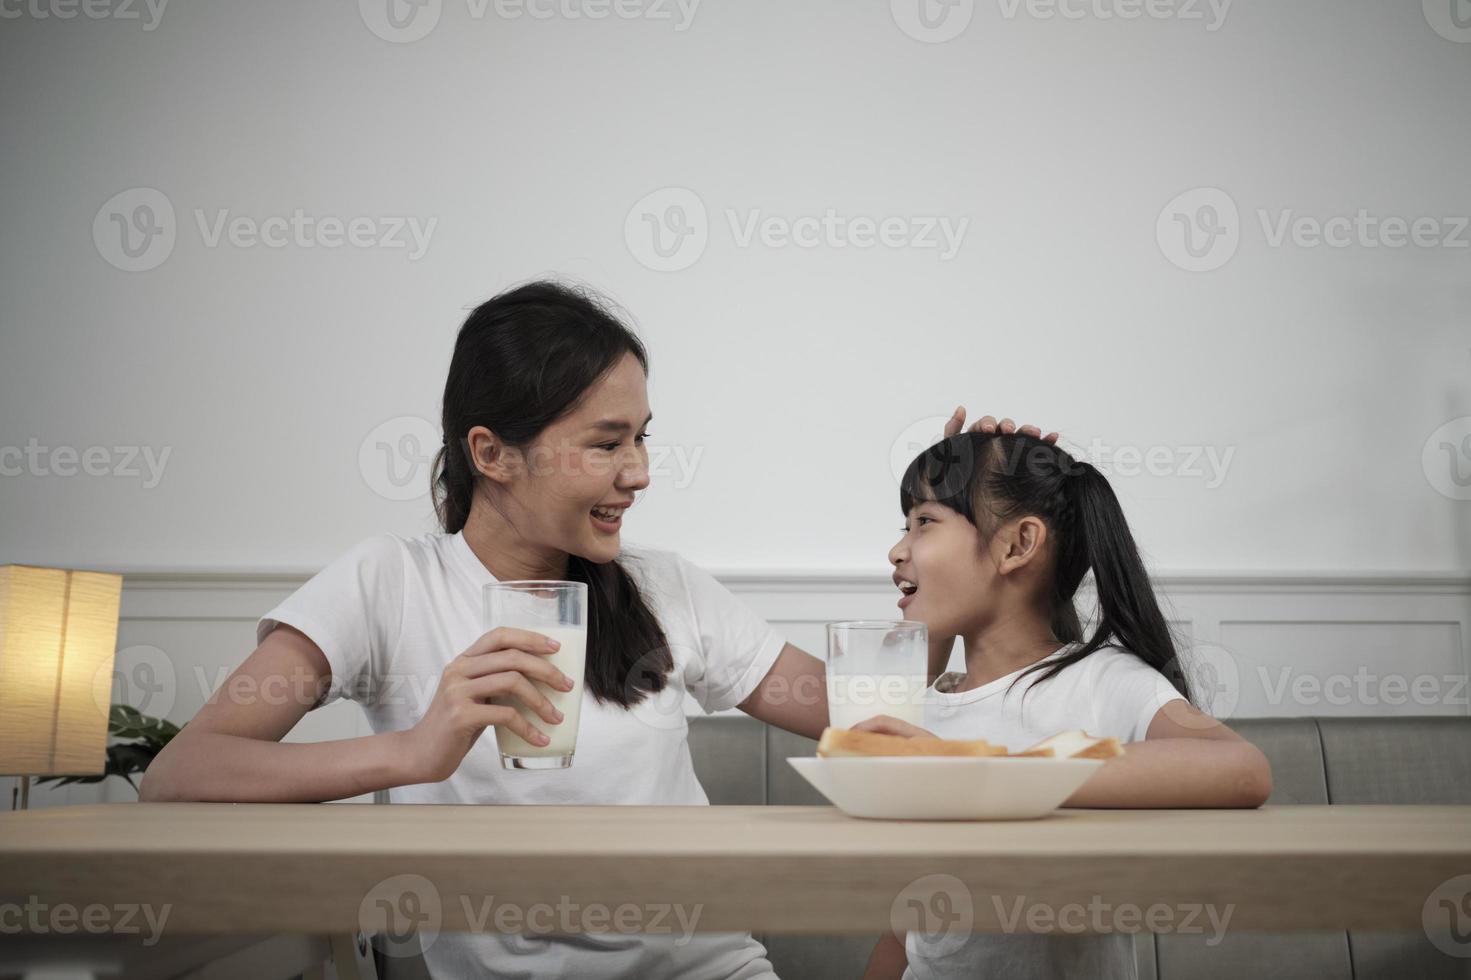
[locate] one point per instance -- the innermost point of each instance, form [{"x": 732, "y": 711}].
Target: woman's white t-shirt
[
  {"x": 392, "y": 612},
  {"x": 1110, "y": 692}
]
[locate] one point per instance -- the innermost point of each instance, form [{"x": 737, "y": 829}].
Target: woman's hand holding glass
[{"x": 500, "y": 664}]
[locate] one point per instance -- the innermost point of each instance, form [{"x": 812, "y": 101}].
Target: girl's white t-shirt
[
  {"x": 392, "y": 612},
  {"x": 1110, "y": 692}
]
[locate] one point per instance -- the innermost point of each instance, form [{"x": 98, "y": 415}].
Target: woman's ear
[
  {"x": 1022, "y": 542},
  {"x": 489, "y": 456}
]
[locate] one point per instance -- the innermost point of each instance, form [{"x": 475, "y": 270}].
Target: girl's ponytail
[{"x": 1129, "y": 613}]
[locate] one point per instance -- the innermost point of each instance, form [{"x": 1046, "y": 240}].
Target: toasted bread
[
  {"x": 1076, "y": 744},
  {"x": 841, "y": 742}
]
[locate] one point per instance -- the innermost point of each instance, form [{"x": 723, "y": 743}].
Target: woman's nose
[{"x": 635, "y": 475}]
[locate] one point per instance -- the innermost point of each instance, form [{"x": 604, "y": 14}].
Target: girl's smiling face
[{"x": 942, "y": 565}]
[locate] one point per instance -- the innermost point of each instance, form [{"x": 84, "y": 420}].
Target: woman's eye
[
  {"x": 642, "y": 437},
  {"x": 609, "y": 446}
]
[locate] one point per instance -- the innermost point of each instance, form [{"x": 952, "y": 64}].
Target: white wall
[{"x": 791, "y": 370}]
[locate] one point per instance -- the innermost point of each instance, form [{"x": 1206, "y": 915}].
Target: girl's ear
[{"x": 1022, "y": 543}]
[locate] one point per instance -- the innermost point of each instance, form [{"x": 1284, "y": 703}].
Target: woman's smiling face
[
  {"x": 571, "y": 487},
  {"x": 942, "y": 566}
]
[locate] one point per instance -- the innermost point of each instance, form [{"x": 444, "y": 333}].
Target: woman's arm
[
  {"x": 1188, "y": 759},
  {"x": 792, "y": 695},
  {"x": 231, "y": 750}
]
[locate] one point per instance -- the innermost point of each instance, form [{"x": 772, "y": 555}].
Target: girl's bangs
[{"x": 942, "y": 474}]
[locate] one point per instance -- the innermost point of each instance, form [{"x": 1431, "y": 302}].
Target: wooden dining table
[{"x": 350, "y": 870}]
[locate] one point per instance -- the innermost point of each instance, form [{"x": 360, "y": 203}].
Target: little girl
[{"x": 999, "y": 532}]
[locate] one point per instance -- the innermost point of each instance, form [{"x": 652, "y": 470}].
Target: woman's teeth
[
  {"x": 907, "y": 587},
  {"x": 609, "y": 516}
]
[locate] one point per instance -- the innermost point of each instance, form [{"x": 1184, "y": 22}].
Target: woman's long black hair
[
  {"x": 991, "y": 478},
  {"x": 522, "y": 360}
]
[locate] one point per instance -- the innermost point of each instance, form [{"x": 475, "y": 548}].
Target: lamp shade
[{"x": 58, "y": 633}]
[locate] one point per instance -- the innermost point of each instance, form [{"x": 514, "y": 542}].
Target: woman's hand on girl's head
[
  {"x": 989, "y": 424},
  {"x": 501, "y": 664},
  {"x": 889, "y": 725}
]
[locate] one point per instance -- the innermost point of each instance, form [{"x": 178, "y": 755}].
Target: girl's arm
[
  {"x": 888, "y": 959},
  {"x": 1188, "y": 759},
  {"x": 792, "y": 695}
]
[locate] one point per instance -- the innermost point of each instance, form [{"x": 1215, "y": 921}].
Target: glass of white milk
[
  {"x": 557, "y": 610},
  {"x": 876, "y": 667}
]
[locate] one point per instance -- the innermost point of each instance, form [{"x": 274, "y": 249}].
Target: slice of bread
[
  {"x": 840, "y": 742},
  {"x": 1076, "y": 744}
]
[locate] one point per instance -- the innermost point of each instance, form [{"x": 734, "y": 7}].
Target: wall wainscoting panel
[{"x": 1255, "y": 645}]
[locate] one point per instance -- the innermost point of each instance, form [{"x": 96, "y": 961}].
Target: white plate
[{"x": 945, "y": 787}]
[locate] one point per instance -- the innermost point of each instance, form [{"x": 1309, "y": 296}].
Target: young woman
[
  {"x": 545, "y": 415},
  {"x": 999, "y": 532}
]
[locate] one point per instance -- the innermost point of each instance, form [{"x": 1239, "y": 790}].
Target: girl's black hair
[
  {"x": 991, "y": 478},
  {"x": 522, "y": 360}
]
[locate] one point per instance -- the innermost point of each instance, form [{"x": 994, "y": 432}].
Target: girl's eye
[{"x": 921, "y": 520}]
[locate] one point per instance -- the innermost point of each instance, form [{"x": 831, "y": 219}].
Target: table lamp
[{"x": 58, "y": 633}]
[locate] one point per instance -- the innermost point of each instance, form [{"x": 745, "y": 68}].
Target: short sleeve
[
  {"x": 353, "y": 611},
  {"x": 1128, "y": 693},
  {"x": 736, "y": 646}
]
